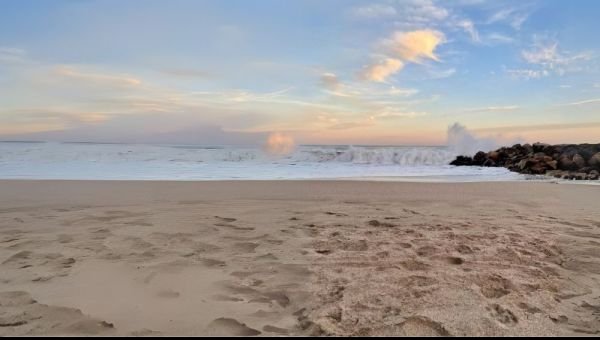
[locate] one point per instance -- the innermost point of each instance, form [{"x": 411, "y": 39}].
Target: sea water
[{"x": 93, "y": 161}]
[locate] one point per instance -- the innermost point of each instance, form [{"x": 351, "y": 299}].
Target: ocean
[{"x": 94, "y": 161}]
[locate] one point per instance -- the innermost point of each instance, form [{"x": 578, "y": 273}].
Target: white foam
[{"x": 164, "y": 162}]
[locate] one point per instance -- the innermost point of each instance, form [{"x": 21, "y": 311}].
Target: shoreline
[
  {"x": 382, "y": 179},
  {"x": 298, "y": 258}
]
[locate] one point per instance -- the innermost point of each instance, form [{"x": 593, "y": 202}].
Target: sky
[{"x": 317, "y": 72}]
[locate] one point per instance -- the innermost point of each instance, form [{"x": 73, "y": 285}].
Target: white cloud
[
  {"x": 414, "y": 46},
  {"x": 401, "y": 47},
  {"x": 381, "y": 70}
]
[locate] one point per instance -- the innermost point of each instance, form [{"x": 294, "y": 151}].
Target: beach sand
[{"x": 298, "y": 258}]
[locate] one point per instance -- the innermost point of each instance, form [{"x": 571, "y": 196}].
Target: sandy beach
[{"x": 298, "y": 258}]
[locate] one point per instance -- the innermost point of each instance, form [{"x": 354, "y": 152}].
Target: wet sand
[{"x": 298, "y": 258}]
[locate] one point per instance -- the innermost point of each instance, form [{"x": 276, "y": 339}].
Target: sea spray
[
  {"x": 279, "y": 144},
  {"x": 463, "y": 143}
]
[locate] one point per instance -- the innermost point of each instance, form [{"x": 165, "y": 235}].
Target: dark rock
[
  {"x": 565, "y": 163},
  {"x": 579, "y": 161},
  {"x": 594, "y": 161},
  {"x": 568, "y": 161},
  {"x": 549, "y": 150},
  {"x": 539, "y": 147},
  {"x": 493, "y": 155},
  {"x": 462, "y": 161},
  {"x": 489, "y": 162},
  {"x": 479, "y": 158}
]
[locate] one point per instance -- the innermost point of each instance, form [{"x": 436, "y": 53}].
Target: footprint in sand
[
  {"x": 226, "y": 219},
  {"x": 246, "y": 247},
  {"x": 229, "y": 327},
  {"x": 213, "y": 263},
  {"x": 454, "y": 260},
  {"x": 426, "y": 251},
  {"x": 502, "y": 314},
  {"x": 359, "y": 245},
  {"x": 421, "y": 326},
  {"x": 413, "y": 265},
  {"x": 495, "y": 286}
]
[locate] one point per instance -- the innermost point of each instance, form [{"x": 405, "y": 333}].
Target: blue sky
[{"x": 337, "y": 71}]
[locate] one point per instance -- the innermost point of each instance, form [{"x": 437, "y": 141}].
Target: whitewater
[{"x": 93, "y": 161}]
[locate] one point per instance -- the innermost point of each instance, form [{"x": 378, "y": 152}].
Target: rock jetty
[{"x": 566, "y": 161}]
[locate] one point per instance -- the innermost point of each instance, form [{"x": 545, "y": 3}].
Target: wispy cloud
[
  {"x": 527, "y": 73},
  {"x": 330, "y": 81},
  {"x": 393, "y": 113},
  {"x": 548, "y": 59},
  {"x": 187, "y": 73},
  {"x": 373, "y": 11},
  {"x": 514, "y": 17},
  {"x": 583, "y": 102},
  {"x": 497, "y": 38},
  {"x": 441, "y": 74},
  {"x": 78, "y": 74},
  {"x": 493, "y": 108},
  {"x": 540, "y": 127},
  {"x": 12, "y": 55},
  {"x": 469, "y": 27}
]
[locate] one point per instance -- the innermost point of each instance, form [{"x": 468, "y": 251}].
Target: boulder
[
  {"x": 565, "y": 163},
  {"x": 539, "y": 147},
  {"x": 489, "y": 162},
  {"x": 549, "y": 150},
  {"x": 480, "y": 158},
  {"x": 462, "y": 161},
  {"x": 594, "y": 161},
  {"x": 552, "y": 165},
  {"x": 579, "y": 161},
  {"x": 523, "y": 164},
  {"x": 493, "y": 155}
]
